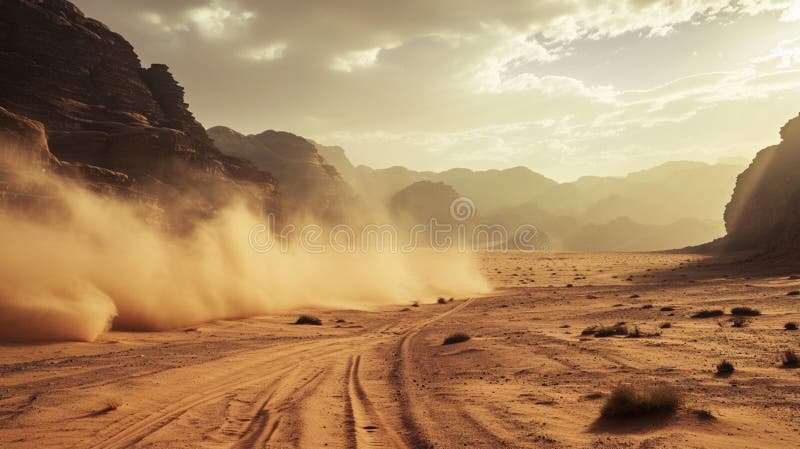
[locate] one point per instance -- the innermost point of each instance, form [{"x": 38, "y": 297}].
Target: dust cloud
[{"x": 75, "y": 263}]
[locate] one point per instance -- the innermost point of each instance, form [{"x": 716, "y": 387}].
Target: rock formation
[
  {"x": 309, "y": 186},
  {"x": 101, "y": 109},
  {"x": 762, "y": 215}
]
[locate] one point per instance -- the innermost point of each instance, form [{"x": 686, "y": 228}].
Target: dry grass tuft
[
  {"x": 708, "y": 313},
  {"x": 632, "y": 401},
  {"x": 665, "y": 325},
  {"x": 308, "y": 320},
  {"x": 608, "y": 331},
  {"x": 725, "y": 368},
  {"x": 789, "y": 359},
  {"x": 668, "y": 309},
  {"x": 738, "y": 321},
  {"x": 790, "y": 326},
  {"x": 745, "y": 311},
  {"x": 458, "y": 337}
]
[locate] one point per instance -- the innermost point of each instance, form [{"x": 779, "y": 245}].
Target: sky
[{"x": 566, "y": 87}]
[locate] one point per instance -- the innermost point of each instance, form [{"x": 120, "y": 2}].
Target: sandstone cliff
[
  {"x": 762, "y": 215},
  {"x": 308, "y": 184},
  {"x": 100, "y": 108}
]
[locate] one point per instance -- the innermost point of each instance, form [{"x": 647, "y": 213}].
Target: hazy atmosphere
[
  {"x": 413, "y": 225},
  {"x": 566, "y": 88}
]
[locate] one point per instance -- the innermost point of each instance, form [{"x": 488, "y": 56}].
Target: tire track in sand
[{"x": 369, "y": 429}]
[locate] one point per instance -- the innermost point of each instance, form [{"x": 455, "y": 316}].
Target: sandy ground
[{"x": 527, "y": 378}]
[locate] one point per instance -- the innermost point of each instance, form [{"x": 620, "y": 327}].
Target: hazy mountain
[
  {"x": 624, "y": 234},
  {"x": 672, "y": 205},
  {"x": 660, "y": 195},
  {"x": 308, "y": 184}
]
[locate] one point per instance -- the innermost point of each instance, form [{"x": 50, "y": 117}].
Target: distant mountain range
[{"x": 672, "y": 205}]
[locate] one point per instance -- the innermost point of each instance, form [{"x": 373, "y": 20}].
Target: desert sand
[{"x": 382, "y": 378}]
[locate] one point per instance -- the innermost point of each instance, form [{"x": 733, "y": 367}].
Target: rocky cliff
[
  {"x": 762, "y": 215},
  {"x": 308, "y": 184},
  {"x": 100, "y": 108}
]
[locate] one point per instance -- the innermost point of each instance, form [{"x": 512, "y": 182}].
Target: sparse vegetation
[
  {"x": 635, "y": 333},
  {"x": 738, "y": 321},
  {"x": 441, "y": 300},
  {"x": 790, "y": 359},
  {"x": 724, "y": 368},
  {"x": 745, "y": 311},
  {"x": 665, "y": 325},
  {"x": 793, "y": 293},
  {"x": 634, "y": 296},
  {"x": 415, "y": 304},
  {"x": 647, "y": 306},
  {"x": 593, "y": 396},
  {"x": 608, "y": 331},
  {"x": 630, "y": 401},
  {"x": 308, "y": 320},
  {"x": 667, "y": 309},
  {"x": 458, "y": 337},
  {"x": 708, "y": 313},
  {"x": 705, "y": 415},
  {"x": 790, "y": 326},
  {"x": 589, "y": 330}
]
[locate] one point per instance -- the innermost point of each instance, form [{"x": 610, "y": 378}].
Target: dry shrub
[
  {"x": 458, "y": 337},
  {"x": 632, "y": 401},
  {"x": 789, "y": 359},
  {"x": 724, "y": 368},
  {"x": 308, "y": 320},
  {"x": 708, "y": 313},
  {"x": 608, "y": 331},
  {"x": 745, "y": 311}
]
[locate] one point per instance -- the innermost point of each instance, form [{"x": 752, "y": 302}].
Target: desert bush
[
  {"x": 308, "y": 320},
  {"x": 589, "y": 330},
  {"x": 708, "y": 313},
  {"x": 635, "y": 333},
  {"x": 608, "y": 331},
  {"x": 631, "y": 401},
  {"x": 738, "y": 321},
  {"x": 665, "y": 325},
  {"x": 647, "y": 306},
  {"x": 790, "y": 359},
  {"x": 441, "y": 300},
  {"x": 415, "y": 304},
  {"x": 705, "y": 415},
  {"x": 458, "y": 337},
  {"x": 667, "y": 309},
  {"x": 725, "y": 367},
  {"x": 745, "y": 311},
  {"x": 634, "y": 296},
  {"x": 790, "y": 326},
  {"x": 794, "y": 293}
]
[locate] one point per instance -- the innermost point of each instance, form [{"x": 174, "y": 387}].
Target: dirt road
[{"x": 377, "y": 379}]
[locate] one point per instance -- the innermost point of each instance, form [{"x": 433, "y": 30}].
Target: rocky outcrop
[
  {"x": 309, "y": 186},
  {"x": 762, "y": 214},
  {"x": 101, "y": 109}
]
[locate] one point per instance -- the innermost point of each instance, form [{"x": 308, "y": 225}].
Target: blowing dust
[{"x": 91, "y": 262}]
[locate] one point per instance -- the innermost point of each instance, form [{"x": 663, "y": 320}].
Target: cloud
[
  {"x": 354, "y": 60},
  {"x": 430, "y": 84},
  {"x": 270, "y": 52}
]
